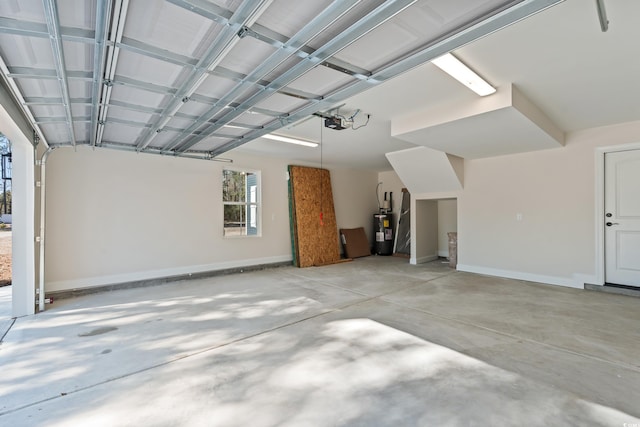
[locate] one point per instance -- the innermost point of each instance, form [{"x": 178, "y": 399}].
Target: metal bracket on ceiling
[
  {"x": 284, "y": 120},
  {"x": 243, "y": 31},
  {"x": 602, "y": 15}
]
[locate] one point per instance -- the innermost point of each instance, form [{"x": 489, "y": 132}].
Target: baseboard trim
[
  {"x": 518, "y": 275},
  {"x": 70, "y": 290},
  {"x": 423, "y": 259},
  {"x": 613, "y": 289},
  {"x": 582, "y": 280},
  {"x": 443, "y": 254}
]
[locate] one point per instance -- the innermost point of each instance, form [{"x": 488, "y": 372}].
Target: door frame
[
  {"x": 599, "y": 204},
  {"x": 415, "y": 201}
]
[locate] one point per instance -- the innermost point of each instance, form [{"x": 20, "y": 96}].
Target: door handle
[{"x": 609, "y": 224}]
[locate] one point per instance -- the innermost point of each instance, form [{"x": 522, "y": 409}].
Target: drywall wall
[
  {"x": 354, "y": 198},
  {"x": 23, "y": 274},
  {"x": 391, "y": 183},
  {"x": 447, "y": 218},
  {"x": 115, "y": 217},
  {"x": 447, "y": 222},
  {"x": 532, "y": 216},
  {"x": 424, "y": 242}
]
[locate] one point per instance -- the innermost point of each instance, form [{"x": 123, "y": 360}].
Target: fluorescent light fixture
[
  {"x": 456, "y": 69},
  {"x": 290, "y": 140}
]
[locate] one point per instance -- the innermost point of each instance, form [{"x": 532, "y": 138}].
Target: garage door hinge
[{"x": 38, "y": 185}]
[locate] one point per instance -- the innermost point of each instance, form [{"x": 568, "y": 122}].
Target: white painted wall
[
  {"x": 115, "y": 217},
  {"x": 447, "y": 222},
  {"x": 23, "y": 237},
  {"x": 424, "y": 242},
  {"x": 554, "y": 191},
  {"x": 391, "y": 182},
  {"x": 354, "y": 199},
  {"x": 447, "y": 218}
]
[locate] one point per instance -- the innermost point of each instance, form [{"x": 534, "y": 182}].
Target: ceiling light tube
[
  {"x": 290, "y": 140},
  {"x": 459, "y": 71}
]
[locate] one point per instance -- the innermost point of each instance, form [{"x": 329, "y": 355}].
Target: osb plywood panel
[{"x": 315, "y": 231}]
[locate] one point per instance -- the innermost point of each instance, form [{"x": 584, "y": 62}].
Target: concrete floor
[
  {"x": 374, "y": 342},
  {"x": 6, "y": 319}
]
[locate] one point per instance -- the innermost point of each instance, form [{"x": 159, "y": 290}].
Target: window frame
[{"x": 257, "y": 204}]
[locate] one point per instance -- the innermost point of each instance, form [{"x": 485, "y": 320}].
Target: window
[{"x": 241, "y": 201}]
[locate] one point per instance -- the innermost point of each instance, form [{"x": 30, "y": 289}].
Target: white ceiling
[{"x": 173, "y": 73}]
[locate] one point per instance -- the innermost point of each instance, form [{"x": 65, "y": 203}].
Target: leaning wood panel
[
  {"x": 403, "y": 235},
  {"x": 292, "y": 223},
  {"x": 315, "y": 227}
]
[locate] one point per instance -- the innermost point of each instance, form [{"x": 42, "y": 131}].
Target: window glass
[{"x": 241, "y": 198}]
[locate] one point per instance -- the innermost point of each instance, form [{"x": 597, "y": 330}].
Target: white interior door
[{"x": 622, "y": 218}]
